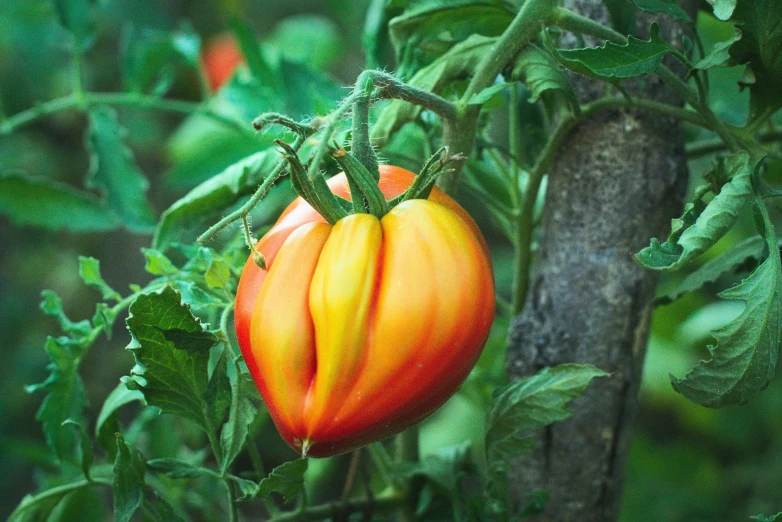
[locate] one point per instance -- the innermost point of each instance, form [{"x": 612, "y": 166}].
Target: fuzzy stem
[{"x": 383, "y": 503}]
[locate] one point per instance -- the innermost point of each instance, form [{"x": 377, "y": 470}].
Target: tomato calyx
[{"x": 366, "y": 197}]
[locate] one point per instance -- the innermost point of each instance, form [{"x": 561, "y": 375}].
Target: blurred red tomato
[{"x": 220, "y": 58}]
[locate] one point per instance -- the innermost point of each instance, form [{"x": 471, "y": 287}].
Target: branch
[{"x": 382, "y": 504}]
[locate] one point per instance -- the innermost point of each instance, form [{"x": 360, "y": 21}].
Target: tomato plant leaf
[
  {"x": 114, "y": 173},
  {"x": 176, "y": 468},
  {"x": 763, "y": 518},
  {"x": 286, "y": 479},
  {"x": 129, "y": 469},
  {"x": 703, "y": 225},
  {"x": 623, "y": 16},
  {"x": 744, "y": 359},
  {"x": 720, "y": 53},
  {"x": 667, "y": 7},
  {"x": 723, "y": 9},
  {"x": 540, "y": 72},
  {"x": 149, "y": 57},
  {"x": 66, "y": 397},
  {"x": 188, "y": 217},
  {"x": 89, "y": 271},
  {"x": 157, "y": 263},
  {"x": 522, "y": 407},
  {"x": 488, "y": 93},
  {"x": 107, "y": 425},
  {"x": 35, "y": 508},
  {"x": 104, "y": 318},
  {"x": 616, "y": 62},
  {"x": 240, "y": 416},
  {"x": 52, "y": 306},
  {"x": 172, "y": 349},
  {"x": 428, "y": 30},
  {"x": 45, "y": 203},
  {"x": 85, "y": 445},
  {"x": 713, "y": 269}
]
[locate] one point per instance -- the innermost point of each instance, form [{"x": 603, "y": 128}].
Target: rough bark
[{"x": 617, "y": 181}]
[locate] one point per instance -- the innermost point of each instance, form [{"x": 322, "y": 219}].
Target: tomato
[
  {"x": 358, "y": 330},
  {"x": 220, "y": 59}
]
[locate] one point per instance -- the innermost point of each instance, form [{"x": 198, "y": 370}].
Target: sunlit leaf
[
  {"x": 89, "y": 271},
  {"x": 720, "y": 53}
]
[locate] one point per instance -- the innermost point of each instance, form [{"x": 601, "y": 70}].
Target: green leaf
[
  {"x": 720, "y": 53},
  {"x": 218, "y": 274},
  {"x": 456, "y": 64},
  {"x": 186, "y": 219},
  {"x": 241, "y": 415},
  {"x": 89, "y": 271},
  {"x": 77, "y": 17},
  {"x": 176, "y": 468},
  {"x": 44, "y": 203},
  {"x": 52, "y": 305},
  {"x": 702, "y": 226},
  {"x": 86, "y": 446},
  {"x": 711, "y": 270},
  {"x": 157, "y": 263},
  {"x": 286, "y": 479},
  {"x": 763, "y": 518},
  {"x": 616, "y": 62},
  {"x": 104, "y": 318},
  {"x": 488, "y": 93},
  {"x": 723, "y": 9},
  {"x": 540, "y": 72},
  {"x": 524, "y": 406},
  {"x": 171, "y": 348},
  {"x": 248, "y": 43},
  {"x": 107, "y": 425},
  {"x": 149, "y": 57},
  {"x": 114, "y": 173},
  {"x": 668, "y": 7},
  {"x": 428, "y": 30},
  {"x": 66, "y": 397},
  {"x": 129, "y": 469},
  {"x": 761, "y": 49},
  {"x": 443, "y": 468},
  {"x": 744, "y": 359},
  {"x": 38, "y": 508}
]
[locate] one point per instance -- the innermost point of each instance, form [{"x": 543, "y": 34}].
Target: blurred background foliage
[{"x": 687, "y": 463}]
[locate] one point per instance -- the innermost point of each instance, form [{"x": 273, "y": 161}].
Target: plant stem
[
  {"x": 121, "y": 99},
  {"x": 390, "y": 87},
  {"x": 383, "y": 503},
  {"x": 705, "y": 147},
  {"x": 233, "y": 512},
  {"x": 54, "y": 493}
]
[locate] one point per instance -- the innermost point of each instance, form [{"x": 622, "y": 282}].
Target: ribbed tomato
[{"x": 359, "y": 330}]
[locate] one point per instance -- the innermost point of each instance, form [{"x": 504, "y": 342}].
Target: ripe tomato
[
  {"x": 220, "y": 59},
  {"x": 359, "y": 330}
]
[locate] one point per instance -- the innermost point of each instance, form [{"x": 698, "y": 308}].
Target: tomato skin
[
  {"x": 365, "y": 327},
  {"x": 220, "y": 59}
]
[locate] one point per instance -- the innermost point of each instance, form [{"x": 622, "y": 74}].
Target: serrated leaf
[
  {"x": 107, "y": 425},
  {"x": 720, "y": 53},
  {"x": 89, "y": 271},
  {"x": 540, "y": 72},
  {"x": 157, "y": 263},
  {"x": 114, "y": 173},
  {"x": 286, "y": 479},
  {"x": 713, "y": 269},
  {"x": 700, "y": 227},
  {"x": 104, "y": 318},
  {"x": 186, "y": 219},
  {"x": 85, "y": 445},
  {"x": 744, "y": 359},
  {"x": 171, "y": 348},
  {"x": 524, "y": 406},
  {"x": 52, "y": 306},
  {"x": 128, "y": 481},
  {"x": 723, "y": 9},
  {"x": 218, "y": 393},
  {"x": 66, "y": 397},
  {"x": 241, "y": 415},
  {"x": 616, "y": 62},
  {"x": 247, "y": 488},
  {"x": 667, "y": 7},
  {"x": 176, "y": 468},
  {"x": 218, "y": 273},
  {"x": 457, "y": 63},
  {"x": 41, "y": 202},
  {"x": 77, "y": 17}
]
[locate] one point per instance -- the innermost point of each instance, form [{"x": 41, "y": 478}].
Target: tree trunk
[{"x": 617, "y": 181}]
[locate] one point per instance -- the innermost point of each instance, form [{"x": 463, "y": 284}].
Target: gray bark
[{"x": 617, "y": 181}]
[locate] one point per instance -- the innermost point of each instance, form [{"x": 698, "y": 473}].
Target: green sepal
[
  {"x": 315, "y": 192},
  {"x": 363, "y": 181},
  {"x": 424, "y": 183}
]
